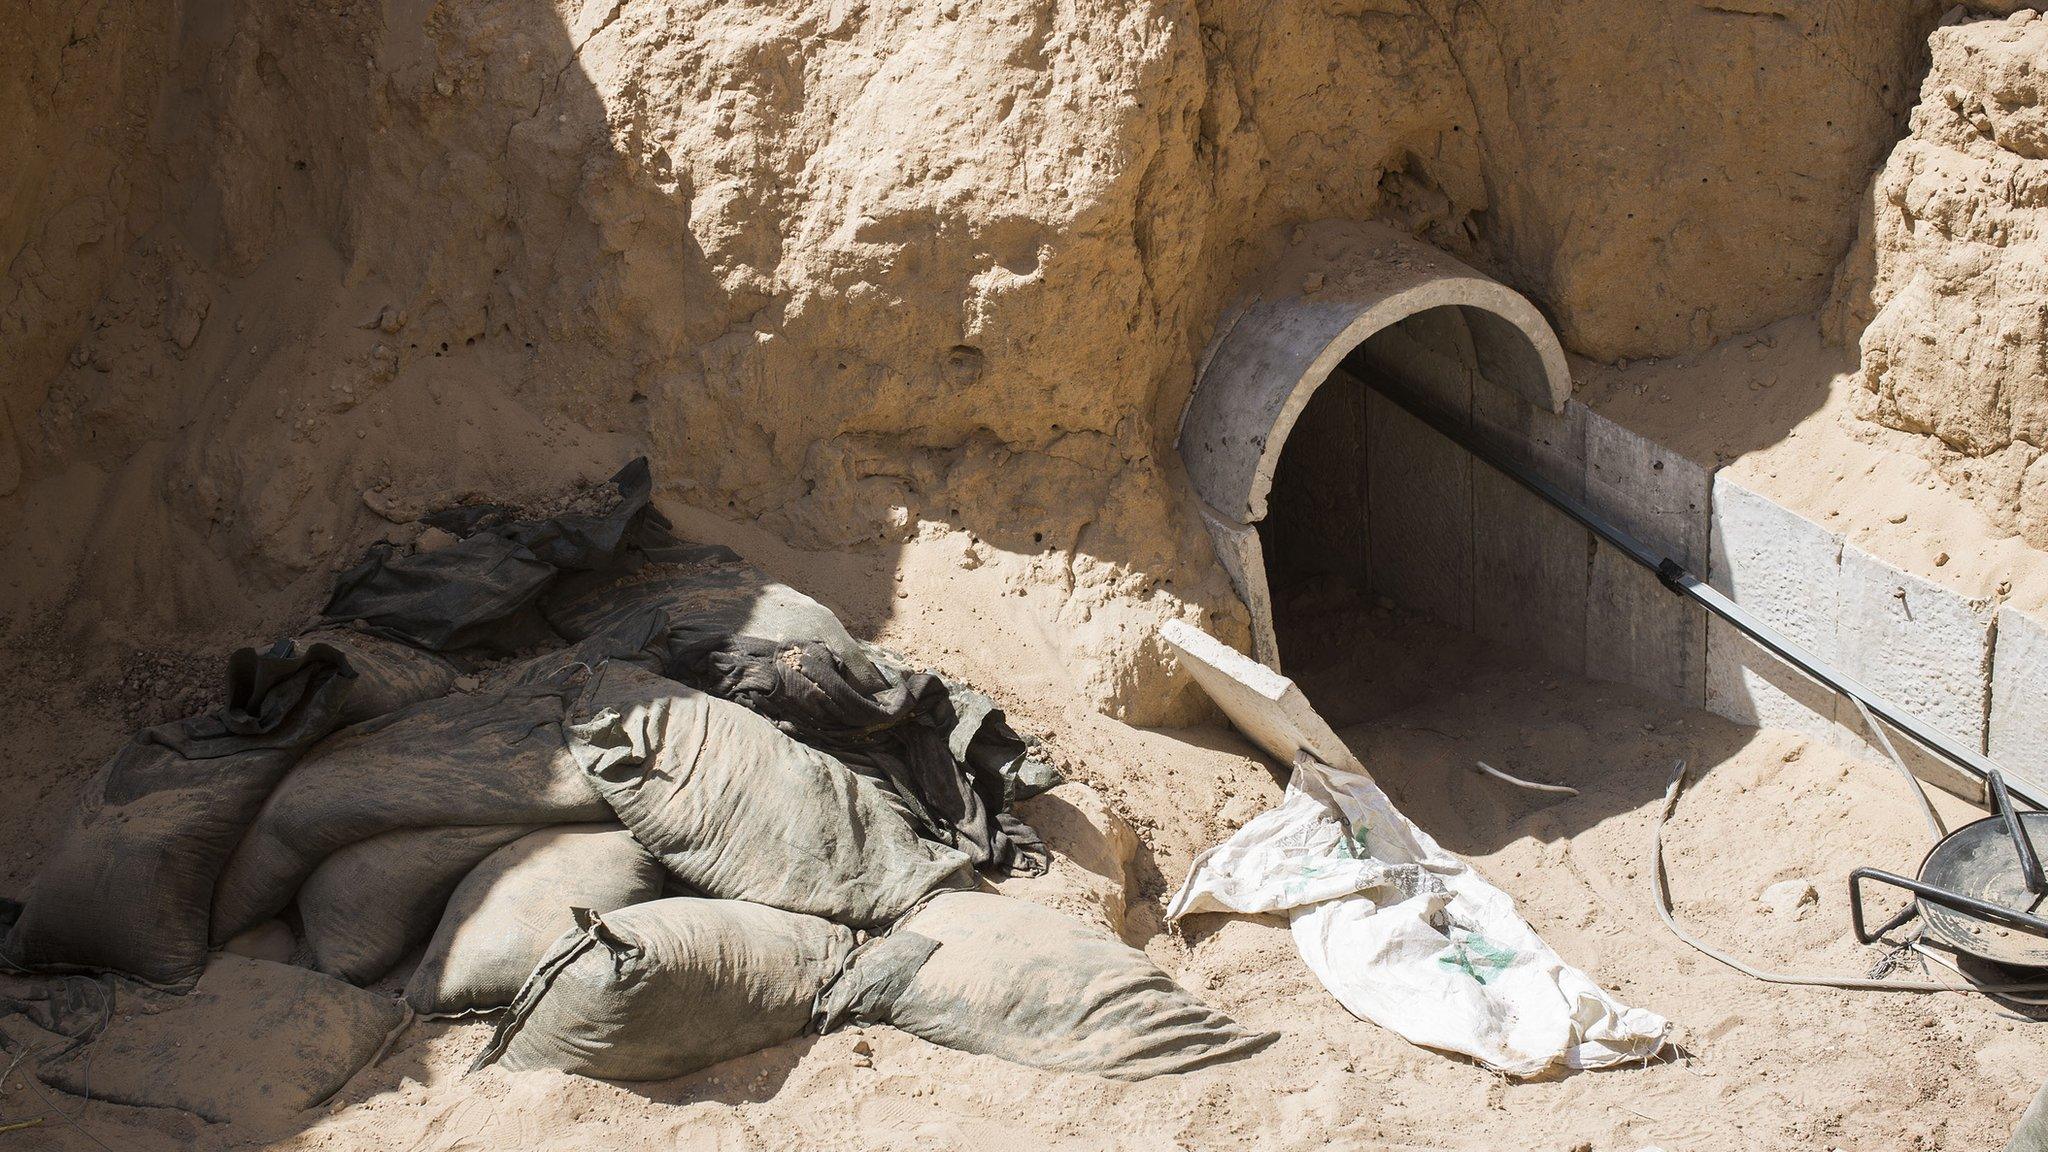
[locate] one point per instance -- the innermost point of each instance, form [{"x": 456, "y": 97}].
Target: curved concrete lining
[{"x": 1339, "y": 284}]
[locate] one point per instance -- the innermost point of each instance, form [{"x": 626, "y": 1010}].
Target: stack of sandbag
[
  {"x": 662, "y": 989},
  {"x": 128, "y": 887},
  {"x": 512, "y": 907},
  {"x": 486, "y": 760},
  {"x": 985, "y": 973}
]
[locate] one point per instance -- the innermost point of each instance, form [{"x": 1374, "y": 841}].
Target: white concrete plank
[
  {"x": 2018, "y": 732},
  {"x": 1264, "y": 705},
  {"x": 1923, "y": 647},
  {"x": 1785, "y": 570}
]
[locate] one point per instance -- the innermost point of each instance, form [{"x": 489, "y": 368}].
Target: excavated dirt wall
[{"x": 868, "y": 274}]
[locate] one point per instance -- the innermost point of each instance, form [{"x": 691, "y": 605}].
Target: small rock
[
  {"x": 395, "y": 509},
  {"x": 1941, "y": 560},
  {"x": 1789, "y": 897},
  {"x": 863, "y": 1048},
  {"x": 467, "y": 683},
  {"x": 435, "y": 539},
  {"x": 1899, "y": 518}
]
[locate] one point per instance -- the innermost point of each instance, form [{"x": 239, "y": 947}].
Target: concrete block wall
[{"x": 1457, "y": 539}]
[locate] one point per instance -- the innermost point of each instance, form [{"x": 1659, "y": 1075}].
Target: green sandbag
[
  {"x": 665, "y": 988},
  {"x": 990, "y": 974},
  {"x": 514, "y": 905},
  {"x": 738, "y": 810},
  {"x": 369, "y": 904}
]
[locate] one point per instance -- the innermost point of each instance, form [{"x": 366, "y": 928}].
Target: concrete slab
[
  {"x": 2018, "y": 727},
  {"x": 1244, "y": 560},
  {"x": 1550, "y": 444},
  {"x": 1419, "y": 488},
  {"x": 1529, "y": 570},
  {"x": 1264, "y": 705},
  {"x": 1639, "y": 634},
  {"x": 1921, "y": 646},
  {"x": 1636, "y": 631},
  {"x": 1786, "y": 570},
  {"x": 1430, "y": 355}
]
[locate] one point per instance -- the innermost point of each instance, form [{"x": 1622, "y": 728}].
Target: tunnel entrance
[
  {"x": 1371, "y": 541},
  {"x": 1346, "y": 521}
]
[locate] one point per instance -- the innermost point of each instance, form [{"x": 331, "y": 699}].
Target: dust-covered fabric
[
  {"x": 389, "y": 675},
  {"x": 484, "y": 759},
  {"x": 484, "y": 591},
  {"x": 370, "y": 903},
  {"x": 1410, "y": 937},
  {"x": 129, "y": 885},
  {"x": 989, "y": 974},
  {"x": 706, "y": 591},
  {"x": 665, "y": 988},
  {"x": 901, "y": 736},
  {"x": 253, "y": 1044},
  {"x": 738, "y": 810},
  {"x": 513, "y": 906}
]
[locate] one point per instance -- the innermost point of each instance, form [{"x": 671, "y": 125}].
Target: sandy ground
[{"x": 1755, "y": 1066}]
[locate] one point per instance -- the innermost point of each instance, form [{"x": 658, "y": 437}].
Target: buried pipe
[{"x": 1676, "y": 579}]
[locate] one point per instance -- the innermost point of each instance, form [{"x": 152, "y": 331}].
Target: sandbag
[
  {"x": 255, "y": 1044},
  {"x": 985, "y": 973},
  {"x": 484, "y": 759},
  {"x": 706, "y": 590},
  {"x": 898, "y": 737},
  {"x": 519, "y": 901},
  {"x": 737, "y": 810},
  {"x": 665, "y": 988},
  {"x": 389, "y": 675},
  {"x": 129, "y": 885},
  {"x": 370, "y": 903}
]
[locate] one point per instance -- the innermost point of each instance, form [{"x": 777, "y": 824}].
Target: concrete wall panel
[{"x": 1786, "y": 570}]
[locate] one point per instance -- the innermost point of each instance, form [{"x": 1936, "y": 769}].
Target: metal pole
[{"x": 1684, "y": 584}]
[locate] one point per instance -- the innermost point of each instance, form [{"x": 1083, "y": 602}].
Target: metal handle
[
  {"x": 1954, "y": 901},
  {"x": 2022, "y": 843}
]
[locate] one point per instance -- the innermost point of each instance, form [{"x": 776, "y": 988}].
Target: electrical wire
[{"x": 1660, "y": 890}]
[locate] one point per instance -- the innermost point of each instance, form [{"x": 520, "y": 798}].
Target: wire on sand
[{"x": 1533, "y": 786}]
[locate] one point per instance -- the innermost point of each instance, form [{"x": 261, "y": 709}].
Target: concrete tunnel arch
[{"x": 1341, "y": 288}]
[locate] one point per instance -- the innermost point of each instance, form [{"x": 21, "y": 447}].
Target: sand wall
[{"x": 854, "y": 271}]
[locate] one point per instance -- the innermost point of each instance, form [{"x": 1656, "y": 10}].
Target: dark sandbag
[
  {"x": 985, "y": 973},
  {"x": 130, "y": 884},
  {"x": 389, "y": 675},
  {"x": 369, "y": 904},
  {"x": 484, "y": 759},
  {"x": 518, "y": 902},
  {"x": 739, "y": 811},
  {"x": 705, "y": 590},
  {"x": 665, "y": 988},
  {"x": 484, "y": 590},
  {"x": 254, "y": 1044}
]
